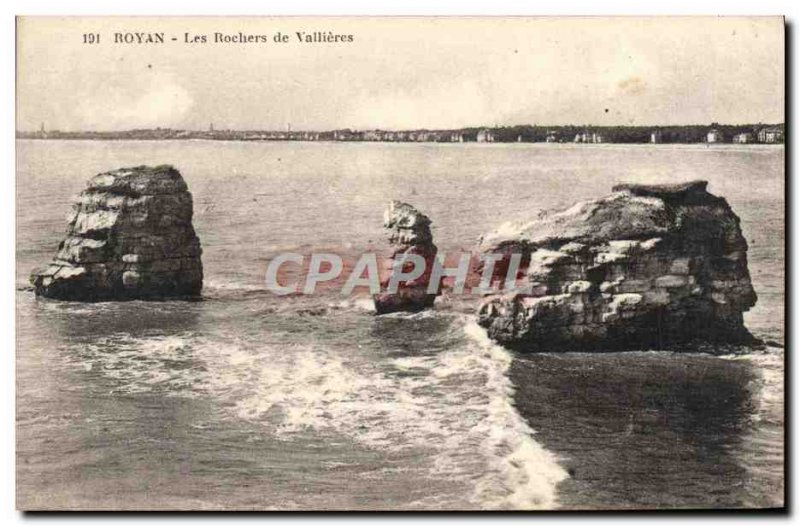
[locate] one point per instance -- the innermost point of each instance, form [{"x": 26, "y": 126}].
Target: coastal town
[{"x": 689, "y": 134}]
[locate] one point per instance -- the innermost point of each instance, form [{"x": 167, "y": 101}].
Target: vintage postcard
[{"x": 400, "y": 263}]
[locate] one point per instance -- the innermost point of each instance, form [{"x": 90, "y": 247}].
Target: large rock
[
  {"x": 408, "y": 233},
  {"x": 647, "y": 266},
  {"x": 129, "y": 236}
]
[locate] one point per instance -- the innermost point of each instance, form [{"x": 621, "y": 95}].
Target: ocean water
[{"x": 246, "y": 400}]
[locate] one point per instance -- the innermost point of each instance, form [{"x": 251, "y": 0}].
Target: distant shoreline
[
  {"x": 454, "y": 144},
  {"x": 687, "y": 134}
]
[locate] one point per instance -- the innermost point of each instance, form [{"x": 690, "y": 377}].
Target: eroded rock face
[
  {"x": 408, "y": 233},
  {"x": 129, "y": 236},
  {"x": 647, "y": 266}
]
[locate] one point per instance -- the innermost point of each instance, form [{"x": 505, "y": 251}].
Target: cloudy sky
[{"x": 401, "y": 73}]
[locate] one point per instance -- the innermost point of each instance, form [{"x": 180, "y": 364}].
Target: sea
[{"x": 246, "y": 400}]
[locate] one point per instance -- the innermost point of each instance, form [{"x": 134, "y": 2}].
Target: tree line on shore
[{"x": 692, "y": 133}]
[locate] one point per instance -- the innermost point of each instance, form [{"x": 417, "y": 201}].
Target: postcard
[{"x": 400, "y": 263}]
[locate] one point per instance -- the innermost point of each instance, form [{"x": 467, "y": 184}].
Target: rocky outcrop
[
  {"x": 645, "y": 267},
  {"x": 129, "y": 236},
  {"x": 409, "y": 233}
]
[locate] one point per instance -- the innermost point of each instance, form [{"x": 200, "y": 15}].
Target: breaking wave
[{"x": 453, "y": 407}]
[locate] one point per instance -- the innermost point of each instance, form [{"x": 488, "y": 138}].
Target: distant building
[
  {"x": 770, "y": 135},
  {"x": 421, "y": 136},
  {"x": 456, "y": 137},
  {"x": 372, "y": 135},
  {"x": 344, "y": 135},
  {"x": 713, "y": 136},
  {"x": 551, "y": 136},
  {"x": 743, "y": 138},
  {"x": 656, "y": 137},
  {"x": 588, "y": 138},
  {"x": 485, "y": 135}
]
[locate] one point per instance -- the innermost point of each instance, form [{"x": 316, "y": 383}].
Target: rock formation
[
  {"x": 129, "y": 236},
  {"x": 409, "y": 233},
  {"x": 645, "y": 267}
]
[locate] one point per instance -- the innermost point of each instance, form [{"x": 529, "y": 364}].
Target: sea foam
[
  {"x": 451, "y": 407},
  {"x": 527, "y": 473}
]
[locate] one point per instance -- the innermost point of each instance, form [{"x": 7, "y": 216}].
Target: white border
[{"x": 320, "y": 7}]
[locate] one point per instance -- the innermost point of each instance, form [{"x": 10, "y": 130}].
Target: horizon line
[{"x": 277, "y": 130}]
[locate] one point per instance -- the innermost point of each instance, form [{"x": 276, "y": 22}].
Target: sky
[{"x": 400, "y": 73}]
